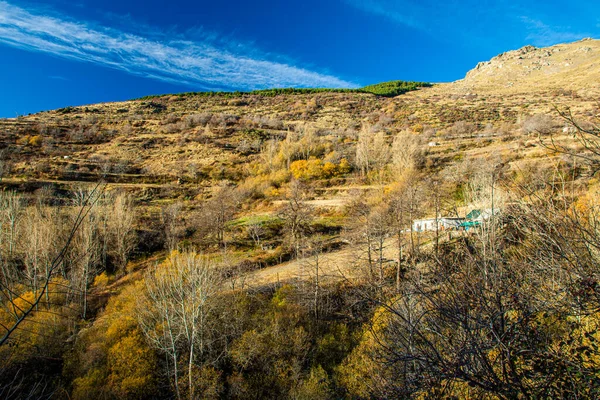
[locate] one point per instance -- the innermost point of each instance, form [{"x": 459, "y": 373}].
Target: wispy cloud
[
  {"x": 198, "y": 64},
  {"x": 541, "y": 34},
  {"x": 407, "y": 13},
  {"x": 463, "y": 21},
  {"x": 488, "y": 23}
]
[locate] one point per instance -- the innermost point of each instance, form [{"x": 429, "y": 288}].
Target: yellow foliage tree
[{"x": 113, "y": 358}]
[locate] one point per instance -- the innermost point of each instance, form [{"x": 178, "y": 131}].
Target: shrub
[
  {"x": 36, "y": 141},
  {"x": 539, "y": 123},
  {"x": 315, "y": 168}
]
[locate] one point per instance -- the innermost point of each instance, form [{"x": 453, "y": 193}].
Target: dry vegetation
[{"x": 261, "y": 246}]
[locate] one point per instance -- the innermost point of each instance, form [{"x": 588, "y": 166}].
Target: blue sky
[{"x": 57, "y": 52}]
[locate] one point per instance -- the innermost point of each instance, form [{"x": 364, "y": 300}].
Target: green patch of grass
[
  {"x": 261, "y": 219},
  {"x": 331, "y": 221}
]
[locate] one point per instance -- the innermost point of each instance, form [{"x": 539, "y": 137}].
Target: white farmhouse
[{"x": 443, "y": 223}]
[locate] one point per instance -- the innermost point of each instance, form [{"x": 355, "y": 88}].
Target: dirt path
[{"x": 334, "y": 266}]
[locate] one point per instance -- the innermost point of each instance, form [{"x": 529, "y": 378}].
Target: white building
[{"x": 443, "y": 223}]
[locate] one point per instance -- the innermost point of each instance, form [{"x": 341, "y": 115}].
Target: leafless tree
[
  {"x": 368, "y": 231},
  {"x": 310, "y": 274},
  {"x": 372, "y": 151},
  {"x": 171, "y": 221},
  {"x": 405, "y": 152},
  {"x": 586, "y": 133},
  {"x": 86, "y": 247},
  {"x": 121, "y": 227},
  {"x": 177, "y": 314},
  {"x": 269, "y": 153},
  {"x": 539, "y": 124},
  {"x": 255, "y": 231},
  {"x": 297, "y": 216},
  {"x": 22, "y": 310},
  {"x": 12, "y": 211}
]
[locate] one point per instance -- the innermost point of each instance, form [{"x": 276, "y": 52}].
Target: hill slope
[{"x": 573, "y": 66}]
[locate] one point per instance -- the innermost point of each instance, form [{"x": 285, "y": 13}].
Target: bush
[
  {"x": 36, "y": 141},
  {"x": 539, "y": 123},
  {"x": 315, "y": 168}
]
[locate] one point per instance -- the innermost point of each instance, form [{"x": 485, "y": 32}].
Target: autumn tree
[
  {"x": 405, "y": 153},
  {"x": 121, "y": 228},
  {"x": 172, "y": 225},
  {"x": 268, "y": 360},
  {"x": 297, "y": 216},
  {"x": 404, "y": 205},
  {"x": 217, "y": 212},
  {"x": 372, "y": 152},
  {"x": 177, "y": 315},
  {"x": 111, "y": 358}
]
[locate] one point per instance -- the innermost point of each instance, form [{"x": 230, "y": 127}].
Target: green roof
[{"x": 473, "y": 214}]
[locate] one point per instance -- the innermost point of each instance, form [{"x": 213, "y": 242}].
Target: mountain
[
  {"x": 570, "y": 67},
  {"x": 187, "y": 137},
  {"x": 268, "y": 244}
]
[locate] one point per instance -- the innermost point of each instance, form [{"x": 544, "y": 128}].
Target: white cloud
[
  {"x": 449, "y": 21},
  {"x": 404, "y": 12},
  {"x": 180, "y": 61},
  {"x": 541, "y": 34},
  {"x": 487, "y": 24}
]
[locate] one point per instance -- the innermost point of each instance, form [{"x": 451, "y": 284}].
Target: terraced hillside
[{"x": 281, "y": 224}]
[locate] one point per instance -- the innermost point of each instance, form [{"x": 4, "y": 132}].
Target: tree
[
  {"x": 405, "y": 152},
  {"x": 539, "y": 123},
  {"x": 587, "y": 134},
  {"x": 368, "y": 230},
  {"x": 269, "y": 358},
  {"x": 171, "y": 220},
  {"x": 508, "y": 312},
  {"x": 111, "y": 358},
  {"x": 12, "y": 211},
  {"x": 178, "y": 314},
  {"x": 372, "y": 152},
  {"x": 404, "y": 205},
  {"x": 86, "y": 248},
  {"x": 121, "y": 228},
  {"x": 297, "y": 216},
  {"x": 22, "y": 307},
  {"x": 313, "y": 277},
  {"x": 218, "y": 211}
]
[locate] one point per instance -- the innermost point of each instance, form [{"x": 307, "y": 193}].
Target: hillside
[
  {"x": 567, "y": 67},
  {"x": 291, "y": 212}
]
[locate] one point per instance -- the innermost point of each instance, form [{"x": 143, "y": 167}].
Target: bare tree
[
  {"x": 121, "y": 227},
  {"x": 21, "y": 311},
  {"x": 368, "y": 231},
  {"x": 405, "y": 151},
  {"x": 297, "y": 216},
  {"x": 255, "y": 230},
  {"x": 268, "y": 153},
  {"x": 86, "y": 247},
  {"x": 372, "y": 151},
  {"x": 12, "y": 211},
  {"x": 177, "y": 313},
  {"x": 587, "y": 134},
  {"x": 401, "y": 208},
  {"x": 39, "y": 229},
  {"x": 171, "y": 221},
  {"x": 539, "y": 124},
  {"x": 311, "y": 275}
]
